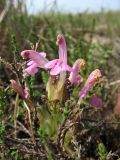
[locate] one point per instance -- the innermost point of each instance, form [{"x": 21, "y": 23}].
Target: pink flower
[
  {"x": 37, "y": 60},
  {"x": 59, "y": 65},
  {"x": 91, "y": 81},
  {"x": 19, "y": 89},
  {"x": 74, "y": 77},
  {"x": 56, "y": 85},
  {"x": 95, "y": 101}
]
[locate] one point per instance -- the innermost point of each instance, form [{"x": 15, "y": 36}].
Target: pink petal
[
  {"x": 43, "y": 54},
  {"x": 62, "y": 48},
  {"x": 66, "y": 67},
  {"x": 35, "y": 56},
  {"x": 30, "y": 63},
  {"x": 91, "y": 81},
  {"x": 93, "y": 78},
  {"x": 56, "y": 70},
  {"x": 75, "y": 78},
  {"x": 25, "y": 54},
  {"x": 96, "y": 74},
  {"x": 26, "y": 94},
  {"x": 51, "y": 64},
  {"x": 78, "y": 80},
  {"x": 83, "y": 92},
  {"x": 60, "y": 67},
  {"x": 32, "y": 69},
  {"x": 95, "y": 101}
]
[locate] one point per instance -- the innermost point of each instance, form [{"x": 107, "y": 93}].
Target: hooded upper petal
[
  {"x": 57, "y": 66},
  {"x": 43, "y": 54},
  {"x": 62, "y": 48},
  {"x": 37, "y": 57}
]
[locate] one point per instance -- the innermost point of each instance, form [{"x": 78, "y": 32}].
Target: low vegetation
[{"x": 41, "y": 124}]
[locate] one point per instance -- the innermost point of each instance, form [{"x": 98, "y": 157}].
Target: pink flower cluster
[
  {"x": 38, "y": 60},
  {"x": 59, "y": 67}
]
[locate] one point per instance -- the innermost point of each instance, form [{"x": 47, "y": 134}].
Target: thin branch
[
  {"x": 29, "y": 117},
  {"x": 24, "y": 128},
  {"x": 15, "y": 113},
  {"x": 114, "y": 82}
]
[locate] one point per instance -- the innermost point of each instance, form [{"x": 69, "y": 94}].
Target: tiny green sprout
[
  {"x": 102, "y": 151},
  {"x": 15, "y": 154}
]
